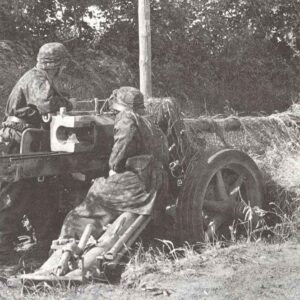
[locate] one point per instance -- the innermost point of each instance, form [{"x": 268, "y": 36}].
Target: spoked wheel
[{"x": 217, "y": 190}]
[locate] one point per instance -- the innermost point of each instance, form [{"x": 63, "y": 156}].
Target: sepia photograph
[{"x": 149, "y": 149}]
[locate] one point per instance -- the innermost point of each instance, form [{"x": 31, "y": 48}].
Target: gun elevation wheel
[{"x": 216, "y": 190}]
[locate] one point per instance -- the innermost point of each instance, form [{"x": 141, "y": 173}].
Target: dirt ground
[
  {"x": 240, "y": 272},
  {"x": 243, "y": 271}
]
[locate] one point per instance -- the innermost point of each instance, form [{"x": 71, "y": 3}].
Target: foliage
[
  {"x": 208, "y": 53},
  {"x": 213, "y": 52},
  {"x": 48, "y": 20}
]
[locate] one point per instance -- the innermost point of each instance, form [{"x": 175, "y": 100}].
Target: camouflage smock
[
  {"x": 135, "y": 138},
  {"x": 34, "y": 94},
  {"x": 35, "y": 89},
  {"x": 135, "y": 186}
]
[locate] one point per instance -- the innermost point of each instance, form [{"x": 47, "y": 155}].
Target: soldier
[
  {"x": 137, "y": 174},
  {"x": 34, "y": 94}
]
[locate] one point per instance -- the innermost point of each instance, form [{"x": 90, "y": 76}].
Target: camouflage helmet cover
[
  {"x": 127, "y": 97},
  {"x": 52, "y": 56}
]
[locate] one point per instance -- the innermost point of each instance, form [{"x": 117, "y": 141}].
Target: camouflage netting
[
  {"x": 90, "y": 74},
  {"x": 183, "y": 140},
  {"x": 254, "y": 135},
  {"x": 272, "y": 141}
]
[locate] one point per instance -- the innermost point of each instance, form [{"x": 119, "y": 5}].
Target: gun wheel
[{"x": 217, "y": 191}]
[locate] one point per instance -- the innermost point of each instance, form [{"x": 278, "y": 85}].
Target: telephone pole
[{"x": 145, "y": 48}]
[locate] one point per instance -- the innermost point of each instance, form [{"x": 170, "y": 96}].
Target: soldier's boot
[
  {"x": 10, "y": 262},
  {"x": 39, "y": 251},
  {"x": 44, "y": 215}
]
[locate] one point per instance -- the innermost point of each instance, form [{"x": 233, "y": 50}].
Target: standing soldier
[{"x": 34, "y": 94}]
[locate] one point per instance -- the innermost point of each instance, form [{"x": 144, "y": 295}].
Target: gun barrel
[{"x": 18, "y": 166}]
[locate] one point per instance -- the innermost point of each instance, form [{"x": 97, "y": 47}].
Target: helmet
[
  {"x": 127, "y": 98},
  {"x": 52, "y": 56}
]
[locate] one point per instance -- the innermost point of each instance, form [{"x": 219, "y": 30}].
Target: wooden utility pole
[{"x": 145, "y": 48}]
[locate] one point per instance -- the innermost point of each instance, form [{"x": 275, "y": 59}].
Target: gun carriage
[{"x": 209, "y": 187}]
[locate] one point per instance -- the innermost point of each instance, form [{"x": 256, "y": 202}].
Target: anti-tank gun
[
  {"x": 76, "y": 142},
  {"x": 212, "y": 187}
]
